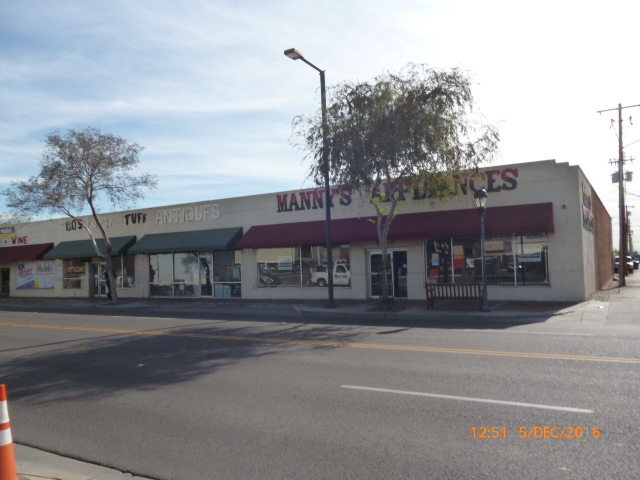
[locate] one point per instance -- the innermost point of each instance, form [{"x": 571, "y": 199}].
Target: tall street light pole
[
  {"x": 480, "y": 199},
  {"x": 294, "y": 54}
]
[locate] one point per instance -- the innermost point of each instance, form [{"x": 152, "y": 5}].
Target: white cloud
[{"x": 205, "y": 87}]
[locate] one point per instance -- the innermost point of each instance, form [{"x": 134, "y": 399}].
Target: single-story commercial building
[{"x": 548, "y": 237}]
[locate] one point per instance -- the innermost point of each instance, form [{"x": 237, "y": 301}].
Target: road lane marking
[
  {"x": 324, "y": 343},
  {"x": 146, "y": 318},
  {"x": 519, "y": 332},
  {"x": 470, "y": 399}
]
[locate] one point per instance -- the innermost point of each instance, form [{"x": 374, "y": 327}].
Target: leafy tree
[
  {"x": 8, "y": 218},
  {"x": 78, "y": 170},
  {"x": 413, "y": 129}
]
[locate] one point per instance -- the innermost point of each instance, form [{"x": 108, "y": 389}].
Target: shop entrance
[
  {"x": 5, "y": 275},
  {"x": 99, "y": 283},
  {"x": 396, "y": 273},
  {"x": 206, "y": 268}
]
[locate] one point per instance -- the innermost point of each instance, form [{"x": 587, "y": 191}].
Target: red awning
[
  {"x": 516, "y": 219},
  {"x": 350, "y": 230},
  {"x": 24, "y": 253}
]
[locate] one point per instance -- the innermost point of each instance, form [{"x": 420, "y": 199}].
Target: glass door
[
  {"x": 396, "y": 273},
  {"x": 375, "y": 274},
  {"x": 206, "y": 272},
  {"x": 99, "y": 286},
  {"x": 5, "y": 273}
]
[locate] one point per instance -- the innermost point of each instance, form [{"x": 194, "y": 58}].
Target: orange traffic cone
[{"x": 7, "y": 455}]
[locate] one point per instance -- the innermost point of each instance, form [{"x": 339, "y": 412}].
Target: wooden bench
[{"x": 453, "y": 291}]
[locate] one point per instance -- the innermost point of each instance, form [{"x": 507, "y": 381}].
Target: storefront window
[
  {"x": 530, "y": 260},
  {"x": 277, "y": 267},
  {"x": 226, "y": 268},
  {"x": 124, "y": 268},
  {"x": 74, "y": 271},
  {"x": 201, "y": 274},
  {"x": 302, "y": 266},
  {"x": 186, "y": 275},
  {"x": 161, "y": 275},
  {"x": 510, "y": 260}
]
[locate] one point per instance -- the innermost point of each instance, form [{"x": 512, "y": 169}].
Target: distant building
[{"x": 549, "y": 237}]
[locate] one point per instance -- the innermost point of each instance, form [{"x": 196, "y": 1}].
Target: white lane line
[
  {"x": 527, "y": 333},
  {"x": 470, "y": 399}
]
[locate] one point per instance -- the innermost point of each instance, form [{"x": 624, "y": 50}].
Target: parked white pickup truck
[{"x": 341, "y": 275}]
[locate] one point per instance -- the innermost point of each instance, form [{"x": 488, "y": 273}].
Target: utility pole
[
  {"x": 629, "y": 230},
  {"x": 622, "y": 212},
  {"x": 622, "y": 266}
]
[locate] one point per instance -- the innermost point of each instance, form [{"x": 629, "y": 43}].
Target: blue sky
[{"x": 205, "y": 88}]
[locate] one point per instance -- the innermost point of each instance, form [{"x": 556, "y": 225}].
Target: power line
[{"x": 623, "y": 214}]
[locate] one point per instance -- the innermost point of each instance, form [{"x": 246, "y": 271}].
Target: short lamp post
[
  {"x": 480, "y": 198},
  {"x": 294, "y": 54}
]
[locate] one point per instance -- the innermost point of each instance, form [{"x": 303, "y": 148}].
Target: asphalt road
[{"x": 273, "y": 399}]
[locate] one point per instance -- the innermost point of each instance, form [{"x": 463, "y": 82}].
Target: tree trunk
[
  {"x": 383, "y": 226},
  {"x": 108, "y": 260},
  {"x": 385, "y": 276},
  {"x": 110, "y": 276}
]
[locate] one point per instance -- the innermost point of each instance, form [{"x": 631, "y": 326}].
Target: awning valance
[
  {"x": 218, "y": 239},
  {"x": 514, "y": 219},
  {"x": 24, "y": 253},
  {"x": 85, "y": 249},
  {"x": 346, "y": 230}
]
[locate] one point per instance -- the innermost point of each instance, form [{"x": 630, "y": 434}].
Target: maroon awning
[
  {"x": 24, "y": 253},
  {"x": 515, "y": 219},
  {"x": 519, "y": 219},
  {"x": 349, "y": 230}
]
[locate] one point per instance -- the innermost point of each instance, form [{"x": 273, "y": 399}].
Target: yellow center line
[{"x": 322, "y": 343}]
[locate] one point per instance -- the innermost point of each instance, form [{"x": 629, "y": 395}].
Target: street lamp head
[
  {"x": 293, "y": 54},
  {"x": 480, "y": 198}
]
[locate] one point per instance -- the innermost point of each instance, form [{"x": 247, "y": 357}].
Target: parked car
[
  {"x": 636, "y": 262},
  {"x": 267, "y": 278},
  {"x": 629, "y": 263},
  {"x": 341, "y": 275}
]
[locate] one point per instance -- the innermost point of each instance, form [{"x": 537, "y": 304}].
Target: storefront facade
[{"x": 548, "y": 238}]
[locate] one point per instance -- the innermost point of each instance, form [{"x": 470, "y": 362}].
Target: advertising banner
[
  {"x": 7, "y": 232},
  {"x": 35, "y": 275},
  {"x": 587, "y": 209}
]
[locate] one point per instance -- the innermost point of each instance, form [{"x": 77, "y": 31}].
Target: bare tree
[
  {"x": 10, "y": 219},
  {"x": 81, "y": 169},
  {"x": 414, "y": 129}
]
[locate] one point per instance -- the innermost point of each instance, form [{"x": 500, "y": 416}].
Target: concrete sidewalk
[
  {"x": 34, "y": 464},
  {"x": 345, "y": 309},
  {"x": 611, "y": 306}
]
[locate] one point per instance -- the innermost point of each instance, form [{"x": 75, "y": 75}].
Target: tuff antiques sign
[{"x": 187, "y": 214}]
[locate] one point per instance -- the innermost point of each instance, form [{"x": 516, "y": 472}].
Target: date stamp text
[{"x": 538, "y": 432}]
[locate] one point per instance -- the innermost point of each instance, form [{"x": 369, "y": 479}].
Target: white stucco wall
[{"x": 571, "y": 266}]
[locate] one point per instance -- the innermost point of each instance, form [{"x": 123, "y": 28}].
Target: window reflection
[
  {"x": 510, "y": 260},
  {"x": 195, "y": 274},
  {"x": 304, "y": 266},
  {"x": 124, "y": 269}
]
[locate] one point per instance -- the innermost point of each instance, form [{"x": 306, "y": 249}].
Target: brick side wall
[{"x": 603, "y": 242}]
